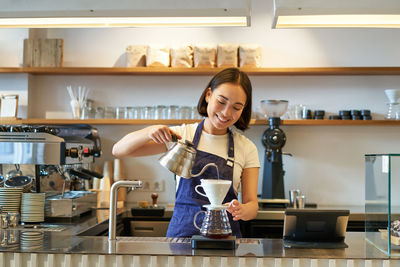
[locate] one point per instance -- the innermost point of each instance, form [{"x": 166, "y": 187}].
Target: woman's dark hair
[{"x": 235, "y": 76}]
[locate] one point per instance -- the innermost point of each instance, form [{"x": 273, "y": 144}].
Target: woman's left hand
[{"x": 236, "y": 209}]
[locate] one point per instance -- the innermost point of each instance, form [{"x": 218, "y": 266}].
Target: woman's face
[{"x": 225, "y": 106}]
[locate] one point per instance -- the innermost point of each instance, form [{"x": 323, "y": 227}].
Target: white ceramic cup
[{"x": 215, "y": 190}]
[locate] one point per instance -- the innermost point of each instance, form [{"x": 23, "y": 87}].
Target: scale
[{"x": 202, "y": 242}]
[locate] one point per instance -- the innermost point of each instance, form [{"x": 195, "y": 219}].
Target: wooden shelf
[
  {"x": 174, "y": 122},
  {"x": 203, "y": 71}
]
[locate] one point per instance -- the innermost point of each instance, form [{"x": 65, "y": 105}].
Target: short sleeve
[{"x": 252, "y": 160}]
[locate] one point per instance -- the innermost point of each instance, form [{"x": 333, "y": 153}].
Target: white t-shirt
[{"x": 246, "y": 155}]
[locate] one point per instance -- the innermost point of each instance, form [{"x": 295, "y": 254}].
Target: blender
[{"x": 273, "y": 140}]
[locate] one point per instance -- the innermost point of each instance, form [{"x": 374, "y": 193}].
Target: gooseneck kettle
[{"x": 180, "y": 159}]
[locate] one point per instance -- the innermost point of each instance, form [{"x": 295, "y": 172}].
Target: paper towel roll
[
  {"x": 105, "y": 184},
  {"x": 107, "y": 173},
  {"x": 96, "y": 181},
  {"x": 119, "y": 170}
]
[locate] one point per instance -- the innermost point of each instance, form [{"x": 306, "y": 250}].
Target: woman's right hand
[{"x": 161, "y": 134}]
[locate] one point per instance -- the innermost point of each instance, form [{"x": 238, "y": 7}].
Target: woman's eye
[
  {"x": 220, "y": 102},
  {"x": 236, "y": 108}
]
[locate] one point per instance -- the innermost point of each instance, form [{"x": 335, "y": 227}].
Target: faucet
[{"x": 112, "y": 224}]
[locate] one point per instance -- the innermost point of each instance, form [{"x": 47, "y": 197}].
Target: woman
[{"x": 225, "y": 102}]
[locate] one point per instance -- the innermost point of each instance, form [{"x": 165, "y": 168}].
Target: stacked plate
[
  {"x": 10, "y": 199},
  {"x": 32, "y": 240},
  {"x": 32, "y": 207}
]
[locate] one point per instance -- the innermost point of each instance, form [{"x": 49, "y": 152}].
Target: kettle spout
[{"x": 204, "y": 169}]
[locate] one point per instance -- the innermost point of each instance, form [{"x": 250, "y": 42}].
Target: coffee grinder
[{"x": 273, "y": 140}]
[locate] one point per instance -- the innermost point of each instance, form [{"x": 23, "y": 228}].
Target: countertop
[{"x": 63, "y": 238}]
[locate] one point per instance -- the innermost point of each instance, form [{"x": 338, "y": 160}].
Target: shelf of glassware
[
  {"x": 202, "y": 71},
  {"x": 173, "y": 122}
]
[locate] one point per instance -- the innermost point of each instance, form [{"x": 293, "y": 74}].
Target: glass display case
[{"x": 382, "y": 202}]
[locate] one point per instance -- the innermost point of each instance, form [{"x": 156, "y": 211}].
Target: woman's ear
[{"x": 208, "y": 94}]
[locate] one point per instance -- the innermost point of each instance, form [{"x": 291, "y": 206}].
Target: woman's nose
[{"x": 227, "y": 111}]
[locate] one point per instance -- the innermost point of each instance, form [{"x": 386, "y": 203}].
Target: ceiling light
[
  {"x": 123, "y": 13},
  {"x": 336, "y": 14}
]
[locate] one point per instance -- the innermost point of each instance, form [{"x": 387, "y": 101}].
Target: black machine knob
[
  {"x": 72, "y": 152},
  {"x": 4, "y": 128},
  {"x": 15, "y": 129},
  {"x": 274, "y": 139}
]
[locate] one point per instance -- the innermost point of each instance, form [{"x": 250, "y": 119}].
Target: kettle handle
[
  {"x": 194, "y": 219},
  {"x": 198, "y": 192}
]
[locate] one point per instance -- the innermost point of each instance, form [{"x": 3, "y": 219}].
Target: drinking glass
[
  {"x": 173, "y": 112},
  {"x": 128, "y": 113},
  {"x": 136, "y": 113},
  {"x": 99, "y": 113},
  {"x": 148, "y": 113},
  {"x": 120, "y": 112},
  {"x": 160, "y": 112},
  {"x": 195, "y": 114},
  {"x": 109, "y": 112},
  {"x": 186, "y": 112}
]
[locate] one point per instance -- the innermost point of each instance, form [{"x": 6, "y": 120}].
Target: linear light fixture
[
  {"x": 123, "y": 13},
  {"x": 336, "y": 14}
]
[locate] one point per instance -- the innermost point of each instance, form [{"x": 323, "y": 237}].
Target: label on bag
[{"x": 385, "y": 164}]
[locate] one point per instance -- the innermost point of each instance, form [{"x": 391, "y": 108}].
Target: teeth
[{"x": 221, "y": 119}]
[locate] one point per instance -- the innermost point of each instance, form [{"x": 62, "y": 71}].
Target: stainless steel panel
[
  {"x": 73, "y": 204},
  {"x": 24, "y": 149},
  {"x": 149, "y": 228}
]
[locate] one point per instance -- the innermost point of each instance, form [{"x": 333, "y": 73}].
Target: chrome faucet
[{"x": 112, "y": 224}]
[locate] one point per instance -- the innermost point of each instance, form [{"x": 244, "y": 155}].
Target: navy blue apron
[{"x": 188, "y": 202}]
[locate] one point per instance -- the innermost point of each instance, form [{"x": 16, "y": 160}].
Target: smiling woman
[{"x": 225, "y": 102}]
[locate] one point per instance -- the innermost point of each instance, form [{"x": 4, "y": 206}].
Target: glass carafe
[
  {"x": 393, "y": 112},
  {"x": 216, "y": 222}
]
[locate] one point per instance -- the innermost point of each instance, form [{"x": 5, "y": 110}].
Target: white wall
[{"x": 328, "y": 161}]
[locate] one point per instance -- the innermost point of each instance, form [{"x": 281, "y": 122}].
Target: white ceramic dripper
[
  {"x": 215, "y": 190},
  {"x": 393, "y": 95}
]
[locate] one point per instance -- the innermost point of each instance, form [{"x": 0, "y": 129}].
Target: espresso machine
[
  {"x": 52, "y": 159},
  {"x": 273, "y": 140}
]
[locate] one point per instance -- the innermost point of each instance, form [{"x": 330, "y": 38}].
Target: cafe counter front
[{"x": 56, "y": 249}]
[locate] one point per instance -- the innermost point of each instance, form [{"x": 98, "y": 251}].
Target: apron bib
[{"x": 188, "y": 202}]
